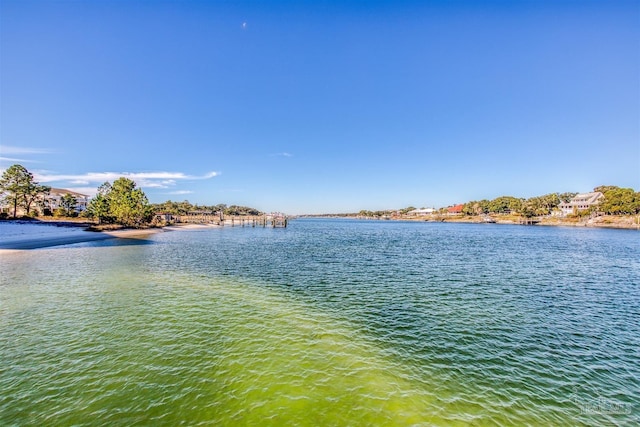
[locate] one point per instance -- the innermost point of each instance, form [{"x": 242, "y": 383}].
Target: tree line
[
  {"x": 534, "y": 206},
  {"x": 616, "y": 201},
  {"x": 619, "y": 201},
  {"x": 184, "y": 207},
  {"x": 120, "y": 202},
  {"x": 19, "y": 190}
]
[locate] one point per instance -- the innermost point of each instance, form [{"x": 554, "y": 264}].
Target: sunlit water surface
[{"x": 327, "y": 322}]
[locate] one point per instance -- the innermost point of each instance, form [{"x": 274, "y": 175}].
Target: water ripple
[{"x": 326, "y": 323}]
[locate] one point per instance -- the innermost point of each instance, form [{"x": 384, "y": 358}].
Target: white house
[
  {"x": 580, "y": 202},
  {"x": 54, "y": 198},
  {"x": 422, "y": 212},
  {"x": 51, "y": 202}
]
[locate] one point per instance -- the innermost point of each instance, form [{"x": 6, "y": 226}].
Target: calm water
[{"x": 326, "y": 322}]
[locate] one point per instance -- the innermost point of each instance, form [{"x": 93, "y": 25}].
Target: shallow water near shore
[{"x": 326, "y": 322}]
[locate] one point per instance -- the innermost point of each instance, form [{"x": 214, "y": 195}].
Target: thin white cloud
[
  {"x": 283, "y": 154},
  {"x": 14, "y": 160},
  {"x": 143, "y": 179},
  {"x": 110, "y": 176},
  {"x": 92, "y": 191},
  {"x": 89, "y": 182},
  {"x": 8, "y": 149},
  {"x": 179, "y": 192},
  {"x": 21, "y": 151}
]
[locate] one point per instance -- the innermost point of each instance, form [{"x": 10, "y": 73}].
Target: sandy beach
[
  {"x": 40, "y": 241},
  {"x": 37, "y": 236}
]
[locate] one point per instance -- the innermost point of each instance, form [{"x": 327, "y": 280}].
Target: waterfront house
[
  {"x": 53, "y": 200},
  {"x": 421, "y": 212},
  {"x": 455, "y": 209},
  {"x": 581, "y": 202},
  {"x": 47, "y": 203}
]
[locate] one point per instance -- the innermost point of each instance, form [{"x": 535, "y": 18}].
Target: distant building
[
  {"x": 422, "y": 212},
  {"x": 53, "y": 200},
  {"x": 48, "y": 203},
  {"x": 455, "y": 210},
  {"x": 581, "y": 202}
]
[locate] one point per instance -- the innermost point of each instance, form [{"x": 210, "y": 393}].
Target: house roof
[
  {"x": 62, "y": 192},
  {"x": 418, "y": 211},
  {"x": 583, "y": 199},
  {"x": 587, "y": 197},
  {"x": 455, "y": 208}
]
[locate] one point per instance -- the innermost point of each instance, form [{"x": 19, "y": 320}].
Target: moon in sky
[{"x": 244, "y": 25}]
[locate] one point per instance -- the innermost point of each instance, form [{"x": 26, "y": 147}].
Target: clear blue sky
[{"x": 323, "y": 106}]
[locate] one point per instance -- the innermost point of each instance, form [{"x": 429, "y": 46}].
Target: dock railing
[{"x": 273, "y": 220}]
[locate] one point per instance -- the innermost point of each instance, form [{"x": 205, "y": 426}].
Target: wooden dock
[{"x": 273, "y": 220}]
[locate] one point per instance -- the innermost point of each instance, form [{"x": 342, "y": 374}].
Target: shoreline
[
  {"x": 610, "y": 222},
  {"x": 39, "y": 242},
  {"x": 626, "y": 222}
]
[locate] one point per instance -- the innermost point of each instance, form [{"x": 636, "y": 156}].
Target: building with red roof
[{"x": 455, "y": 209}]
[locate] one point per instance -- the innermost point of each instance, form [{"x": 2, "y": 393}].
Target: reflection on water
[{"x": 325, "y": 323}]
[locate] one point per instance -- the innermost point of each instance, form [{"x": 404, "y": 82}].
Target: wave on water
[{"x": 324, "y": 324}]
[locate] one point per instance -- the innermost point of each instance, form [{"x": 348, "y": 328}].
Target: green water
[
  {"x": 323, "y": 324},
  {"x": 149, "y": 350}
]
